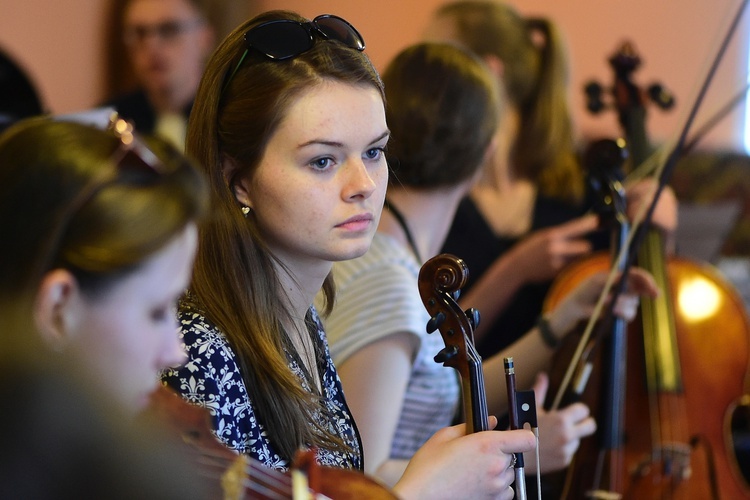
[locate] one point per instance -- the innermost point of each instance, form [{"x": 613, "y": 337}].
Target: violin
[
  {"x": 440, "y": 281},
  {"x": 687, "y": 365},
  {"x": 236, "y": 476}
]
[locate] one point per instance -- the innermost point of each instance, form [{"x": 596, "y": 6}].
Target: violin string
[
  {"x": 644, "y": 212},
  {"x": 269, "y": 483},
  {"x": 266, "y": 492},
  {"x": 481, "y": 394}
]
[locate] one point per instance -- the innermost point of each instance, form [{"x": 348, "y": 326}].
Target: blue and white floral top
[{"x": 211, "y": 378}]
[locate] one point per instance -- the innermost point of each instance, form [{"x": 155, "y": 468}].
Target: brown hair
[
  {"x": 236, "y": 112},
  {"x": 442, "y": 111},
  {"x": 535, "y": 81},
  {"x": 46, "y": 166}
]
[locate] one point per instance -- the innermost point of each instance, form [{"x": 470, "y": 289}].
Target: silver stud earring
[{"x": 245, "y": 210}]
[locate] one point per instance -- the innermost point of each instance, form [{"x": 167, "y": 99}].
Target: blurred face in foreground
[{"x": 123, "y": 337}]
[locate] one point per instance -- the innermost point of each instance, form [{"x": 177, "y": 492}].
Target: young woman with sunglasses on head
[
  {"x": 289, "y": 124},
  {"x": 103, "y": 235},
  {"x": 443, "y": 107}
]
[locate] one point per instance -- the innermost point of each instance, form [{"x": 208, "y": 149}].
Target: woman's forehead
[{"x": 334, "y": 111}]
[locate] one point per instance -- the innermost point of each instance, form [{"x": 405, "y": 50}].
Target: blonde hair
[{"x": 535, "y": 81}]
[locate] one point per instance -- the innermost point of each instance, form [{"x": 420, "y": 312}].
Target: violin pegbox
[{"x": 440, "y": 281}]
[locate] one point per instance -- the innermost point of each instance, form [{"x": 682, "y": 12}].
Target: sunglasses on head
[
  {"x": 284, "y": 38},
  {"x": 131, "y": 146},
  {"x": 131, "y": 154}
]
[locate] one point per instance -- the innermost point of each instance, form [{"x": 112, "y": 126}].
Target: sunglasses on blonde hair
[{"x": 284, "y": 39}]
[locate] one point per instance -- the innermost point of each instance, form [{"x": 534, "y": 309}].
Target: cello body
[{"x": 676, "y": 441}]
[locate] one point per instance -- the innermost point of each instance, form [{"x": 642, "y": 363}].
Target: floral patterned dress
[{"x": 211, "y": 378}]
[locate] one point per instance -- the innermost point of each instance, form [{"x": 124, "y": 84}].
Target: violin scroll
[
  {"x": 445, "y": 273},
  {"x": 440, "y": 281}
]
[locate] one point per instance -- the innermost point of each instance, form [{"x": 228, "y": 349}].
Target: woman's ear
[
  {"x": 239, "y": 185},
  {"x": 55, "y": 308}
]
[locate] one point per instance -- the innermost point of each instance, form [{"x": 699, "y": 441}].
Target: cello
[{"x": 687, "y": 374}]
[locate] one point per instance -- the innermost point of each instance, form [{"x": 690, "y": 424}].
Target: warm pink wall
[
  {"x": 58, "y": 41},
  {"x": 675, "y": 38}
]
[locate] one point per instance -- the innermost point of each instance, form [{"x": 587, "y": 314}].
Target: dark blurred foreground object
[
  {"x": 61, "y": 440},
  {"x": 18, "y": 96}
]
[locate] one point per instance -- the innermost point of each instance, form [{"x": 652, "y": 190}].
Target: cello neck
[{"x": 657, "y": 316}]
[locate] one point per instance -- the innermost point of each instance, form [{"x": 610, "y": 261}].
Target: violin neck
[{"x": 475, "y": 399}]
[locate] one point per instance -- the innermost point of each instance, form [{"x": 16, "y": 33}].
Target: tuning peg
[
  {"x": 661, "y": 96},
  {"x": 435, "y": 322},
  {"x": 473, "y": 315},
  {"x": 594, "y": 101},
  {"x": 446, "y": 354}
]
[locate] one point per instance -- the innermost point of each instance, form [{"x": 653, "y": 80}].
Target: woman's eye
[
  {"x": 374, "y": 153},
  {"x": 166, "y": 313},
  {"x": 321, "y": 163}
]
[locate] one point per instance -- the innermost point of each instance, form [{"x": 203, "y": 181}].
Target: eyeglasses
[
  {"x": 165, "y": 32},
  {"x": 284, "y": 39}
]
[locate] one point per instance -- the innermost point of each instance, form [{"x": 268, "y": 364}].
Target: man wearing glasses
[{"x": 167, "y": 42}]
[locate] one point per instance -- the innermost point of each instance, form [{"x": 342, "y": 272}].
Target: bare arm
[
  {"x": 538, "y": 257},
  {"x": 375, "y": 380}
]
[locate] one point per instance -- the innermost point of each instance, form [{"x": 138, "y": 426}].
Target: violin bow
[
  {"x": 521, "y": 411},
  {"x": 643, "y": 217}
]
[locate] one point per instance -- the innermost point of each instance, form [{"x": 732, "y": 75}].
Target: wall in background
[
  {"x": 59, "y": 43},
  {"x": 674, "y": 37}
]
